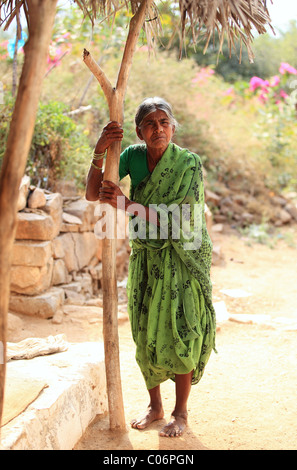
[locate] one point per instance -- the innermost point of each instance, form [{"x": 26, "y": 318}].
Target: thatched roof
[{"x": 233, "y": 20}]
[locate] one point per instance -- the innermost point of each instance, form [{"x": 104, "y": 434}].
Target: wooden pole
[
  {"x": 115, "y": 100},
  {"x": 41, "y": 14}
]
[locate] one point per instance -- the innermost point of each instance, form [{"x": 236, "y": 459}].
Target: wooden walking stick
[{"x": 115, "y": 100}]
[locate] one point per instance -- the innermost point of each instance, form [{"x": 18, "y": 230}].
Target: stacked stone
[{"x": 54, "y": 253}]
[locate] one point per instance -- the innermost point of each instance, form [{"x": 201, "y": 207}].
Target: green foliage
[
  {"x": 238, "y": 137},
  {"x": 277, "y": 132},
  {"x": 5, "y": 117},
  {"x": 60, "y": 148},
  {"x": 269, "y": 50}
]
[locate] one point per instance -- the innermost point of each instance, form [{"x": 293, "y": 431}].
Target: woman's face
[{"x": 156, "y": 130}]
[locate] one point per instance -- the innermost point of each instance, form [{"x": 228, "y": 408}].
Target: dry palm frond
[
  {"x": 231, "y": 19},
  {"x": 108, "y": 8},
  {"x": 234, "y": 19},
  {"x": 10, "y": 10}
]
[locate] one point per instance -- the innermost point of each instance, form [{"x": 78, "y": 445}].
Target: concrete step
[{"x": 75, "y": 394}]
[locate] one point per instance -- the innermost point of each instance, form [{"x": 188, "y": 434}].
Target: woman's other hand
[{"x": 111, "y": 194}]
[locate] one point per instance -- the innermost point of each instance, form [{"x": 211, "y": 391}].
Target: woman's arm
[
  {"x": 111, "y": 194},
  {"x": 112, "y": 132}
]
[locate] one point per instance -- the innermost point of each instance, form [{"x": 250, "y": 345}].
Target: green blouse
[{"x": 133, "y": 162}]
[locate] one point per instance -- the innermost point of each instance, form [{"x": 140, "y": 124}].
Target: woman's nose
[{"x": 158, "y": 127}]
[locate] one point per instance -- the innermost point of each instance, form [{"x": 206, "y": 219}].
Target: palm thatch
[{"x": 233, "y": 20}]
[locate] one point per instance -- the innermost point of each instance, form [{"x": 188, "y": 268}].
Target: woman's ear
[{"x": 138, "y": 132}]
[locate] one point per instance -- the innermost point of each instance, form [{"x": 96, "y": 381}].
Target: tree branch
[
  {"x": 134, "y": 30},
  {"x": 99, "y": 75}
]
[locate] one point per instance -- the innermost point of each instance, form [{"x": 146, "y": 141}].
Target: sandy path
[{"x": 247, "y": 397}]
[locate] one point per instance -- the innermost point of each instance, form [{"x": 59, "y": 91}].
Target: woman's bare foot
[
  {"x": 152, "y": 414},
  {"x": 176, "y": 425}
]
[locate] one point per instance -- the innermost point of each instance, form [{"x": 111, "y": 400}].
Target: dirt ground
[{"x": 246, "y": 399}]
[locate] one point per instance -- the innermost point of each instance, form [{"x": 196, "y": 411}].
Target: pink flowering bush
[
  {"x": 57, "y": 50},
  {"x": 203, "y": 75},
  {"x": 287, "y": 68},
  {"x": 274, "y": 90},
  {"x": 3, "y": 50}
]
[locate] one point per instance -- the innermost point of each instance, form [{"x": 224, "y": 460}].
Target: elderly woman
[{"x": 169, "y": 289}]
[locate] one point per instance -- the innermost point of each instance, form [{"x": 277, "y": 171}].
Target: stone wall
[{"x": 56, "y": 256}]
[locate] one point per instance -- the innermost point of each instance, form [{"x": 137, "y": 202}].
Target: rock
[
  {"x": 71, "y": 219},
  {"x": 44, "y": 305},
  {"x": 292, "y": 195},
  {"x": 283, "y": 217},
  {"x": 247, "y": 217},
  {"x": 23, "y": 193},
  {"x": 31, "y": 253},
  {"x": 35, "y": 226},
  {"x": 54, "y": 207},
  {"x": 220, "y": 218},
  {"x": 67, "y": 244},
  {"x": 66, "y": 188},
  {"x": 99, "y": 249},
  {"x": 217, "y": 228},
  {"x": 58, "y": 248},
  {"x": 84, "y": 313},
  {"x": 122, "y": 260},
  {"x": 96, "y": 272},
  {"x": 60, "y": 273},
  {"x": 217, "y": 257},
  {"x": 240, "y": 199},
  {"x": 212, "y": 197},
  {"x": 85, "y": 247},
  {"x": 221, "y": 189},
  {"x": 14, "y": 323},
  {"x": 74, "y": 298},
  {"x": 79, "y": 249},
  {"x": 58, "y": 317},
  {"x": 37, "y": 199},
  {"x": 31, "y": 280},
  {"x": 278, "y": 200},
  {"x": 292, "y": 210},
  {"x": 84, "y": 210},
  {"x": 85, "y": 281},
  {"x": 226, "y": 202},
  {"x": 73, "y": 287}
]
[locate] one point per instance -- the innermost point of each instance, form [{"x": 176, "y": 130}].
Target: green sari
[{"x": 169, "y": 288}]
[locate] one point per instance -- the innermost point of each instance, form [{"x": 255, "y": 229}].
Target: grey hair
[{"x": 150, "y": 105}]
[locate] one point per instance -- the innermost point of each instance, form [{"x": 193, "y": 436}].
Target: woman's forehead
[{"x": 155, "y": 115}]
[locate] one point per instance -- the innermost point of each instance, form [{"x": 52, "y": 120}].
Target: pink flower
[
  {"x": 203, "y": 75},
  {"x": 287, "y": 68},
  {"x": 283, "y": 94},
  {"x": 275, "y": 81},
  {"x": 255, "y": 83},
  {"x": 229, "y": 92},
  {"x": 263, "y": 97}
]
